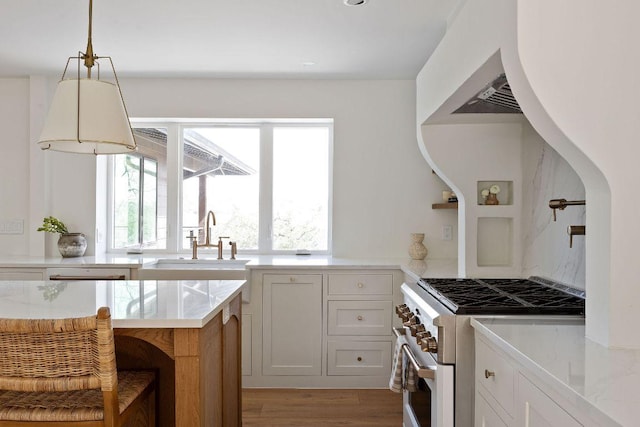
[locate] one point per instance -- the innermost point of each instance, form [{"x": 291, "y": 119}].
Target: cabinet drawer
[
  {"x": 17, "y": 274},
  {"x": 359, "y": 357},
  {"x": 359, "y": 317},
  {"x": 360, "y": 284},
  {"x": 496, "y": 375}
]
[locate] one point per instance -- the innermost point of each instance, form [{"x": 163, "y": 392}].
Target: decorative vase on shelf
[
  {"x": 72, "y": 245},
  {"x": 417, "y": 250},
  {"x": 492, "y": 199}
]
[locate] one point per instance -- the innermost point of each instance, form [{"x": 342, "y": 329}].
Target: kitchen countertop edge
[{"x": 592, "y": 407}]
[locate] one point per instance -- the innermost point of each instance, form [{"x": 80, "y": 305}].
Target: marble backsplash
[{"x": 546, "y": 251}]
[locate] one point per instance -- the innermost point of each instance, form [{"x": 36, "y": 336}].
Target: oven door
[{"x": 431, "y": 405}]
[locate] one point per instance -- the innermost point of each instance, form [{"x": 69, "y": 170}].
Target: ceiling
[{"x": 383, "y": 39}]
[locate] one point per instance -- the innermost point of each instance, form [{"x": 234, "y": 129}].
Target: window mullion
[
  {"x": 266, "y": 189},
  {"x": 174, "y": 180},
  {"x": 141, "y": 201}
]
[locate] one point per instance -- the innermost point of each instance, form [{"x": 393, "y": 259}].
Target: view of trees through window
[
  {"x": 266, "y": 183},
  {"x": 135, "y": 193}
]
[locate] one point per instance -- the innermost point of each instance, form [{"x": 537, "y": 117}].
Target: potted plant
[{"x": 69, "y": 244}]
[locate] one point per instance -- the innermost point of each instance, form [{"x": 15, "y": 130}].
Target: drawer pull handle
[
  {"x": 488, "y": 373},
  {"x": 359, "y": 359},
  {"x": 360, "y": 317},
  {"x": 360, "y": 285},
  {"x": 292, "y": 279}
]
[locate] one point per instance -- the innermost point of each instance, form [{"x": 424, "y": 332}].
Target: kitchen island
[{"x": 189, "y": 331}]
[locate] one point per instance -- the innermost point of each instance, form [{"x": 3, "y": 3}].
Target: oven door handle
[{"x": 422, "y": 371}]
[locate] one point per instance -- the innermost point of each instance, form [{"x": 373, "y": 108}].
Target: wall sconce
[{"x": 88, "y": 115}]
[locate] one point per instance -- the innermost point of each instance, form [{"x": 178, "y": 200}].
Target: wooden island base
[{"x": 199, "y": 381}]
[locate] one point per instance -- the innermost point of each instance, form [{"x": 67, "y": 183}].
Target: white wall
[
  {"x": 382, "y": 192},
  {"x": 14, "y": 162},
  {"x": 466, "y": 154},
  {"x": 382, "y": 189}
]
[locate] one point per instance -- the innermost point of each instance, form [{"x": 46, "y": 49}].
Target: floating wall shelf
[{"x": 453, "y": 205}]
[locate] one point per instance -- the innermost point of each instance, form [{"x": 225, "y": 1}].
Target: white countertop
[
  {"x": 603, "y": 381},
  {"x": 432, "y": 268},
  {"x": 167, "y": 304}
]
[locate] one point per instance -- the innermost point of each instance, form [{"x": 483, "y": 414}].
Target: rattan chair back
[
  {"x": 63, "y": 371},
  {"x": 58, "y": 354}
]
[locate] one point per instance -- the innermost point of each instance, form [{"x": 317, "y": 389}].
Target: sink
[
  {"x": 197, "y": 269},
  {"x": 201, "y": 264}
]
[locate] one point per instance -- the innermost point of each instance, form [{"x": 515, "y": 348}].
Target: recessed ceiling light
[
  {"x": 308, "y": 64},
  {"x": 355, "y": 2}
]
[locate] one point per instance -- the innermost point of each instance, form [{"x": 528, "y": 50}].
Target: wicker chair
[{"x": 56, "y": 372}]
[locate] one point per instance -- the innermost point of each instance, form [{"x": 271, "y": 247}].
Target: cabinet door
[
  {"x": 485, "y": 416},
  {"x": 536, "y": 409},
  {"x": 292, "y": 324}
]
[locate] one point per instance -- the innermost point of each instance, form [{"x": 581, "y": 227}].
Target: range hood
[{"x": 496, "y": 98}]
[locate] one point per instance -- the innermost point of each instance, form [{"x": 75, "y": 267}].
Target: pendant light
[{"x": 87, "y": 114}]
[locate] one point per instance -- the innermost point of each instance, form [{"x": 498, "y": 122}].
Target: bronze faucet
[
  {"x": 207, "y": 231},
  {"x": 575, "y": 230},
  {"x": 207, "y": 238},
  {"x": 563, "y": 203}
]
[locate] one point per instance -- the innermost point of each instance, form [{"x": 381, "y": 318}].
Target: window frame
[
  {"x": 141, "y": 200},
  {"x": 174, "y": 166}
]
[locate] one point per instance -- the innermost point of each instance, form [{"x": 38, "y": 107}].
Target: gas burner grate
[{"x": 502, "y": 296}]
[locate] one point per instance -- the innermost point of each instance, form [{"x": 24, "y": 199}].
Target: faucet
[
  {"x": 207, "y": 231},
  {"x": 575, "y": 230},
  {"x": 563, "y": 203},
  {"x": 207, "y": 238}
]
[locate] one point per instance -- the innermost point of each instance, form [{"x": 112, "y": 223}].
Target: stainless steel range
[{"x": 438, "y": 339}]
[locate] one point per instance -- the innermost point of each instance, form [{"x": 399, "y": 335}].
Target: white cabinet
[
  {"x": 485, "y": 415},
  {"x": 320, "y": 327},
  {"x": 359, "y": 317},
  {"x": 359, "y": 357},
  {"x": 359, "y": 313},
  {"x": 505, "y": 396},
  {"x": 494, "y": 376},
  {"x": 21, "y": 273},
  {"x": 536, "y": 409},
  {"x": 292, "y": 324}
]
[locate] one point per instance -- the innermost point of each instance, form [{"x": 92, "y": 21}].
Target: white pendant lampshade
[
  {"x": 98, "y": 125},
  {"x": 88, "y": 115}
]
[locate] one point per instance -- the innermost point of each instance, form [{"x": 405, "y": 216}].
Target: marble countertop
[
  {"x": 433, "y": 268},
  {"x": 165, "y": 304},
  {"x": 603, "y": 382}
]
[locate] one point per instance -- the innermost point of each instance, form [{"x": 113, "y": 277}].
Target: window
[
  {"x": 136, "y": 193},
  {"x": 139, "y": 193},
  {"x": 268, "y": 184}
]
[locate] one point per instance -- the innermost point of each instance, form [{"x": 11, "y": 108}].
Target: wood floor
[{"x": 326, "y": 408}]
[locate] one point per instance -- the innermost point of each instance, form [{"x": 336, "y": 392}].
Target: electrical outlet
[
  {"x": 447, "y": 232},
  {"x": 12, "y": 226}
]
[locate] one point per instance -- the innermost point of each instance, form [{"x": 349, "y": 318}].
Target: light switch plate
[
  {"x": 12, "y": 226},
  {"x": 447, "y": 232}
]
